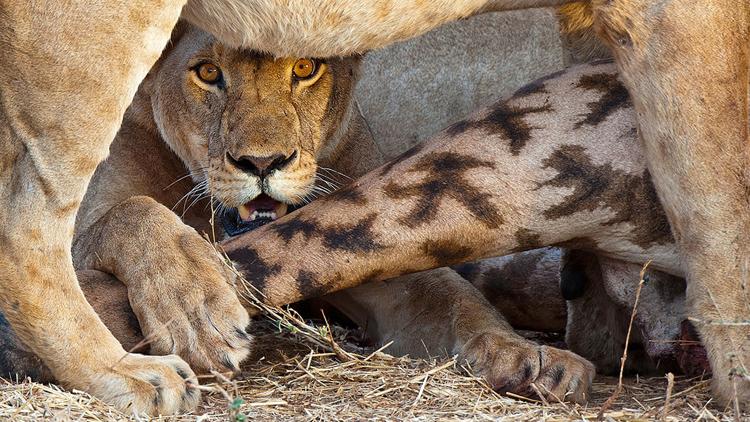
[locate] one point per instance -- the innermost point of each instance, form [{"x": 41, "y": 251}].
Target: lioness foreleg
[
  {"x": 437, "y": 312},
  {"x": 178, "y": 286}
]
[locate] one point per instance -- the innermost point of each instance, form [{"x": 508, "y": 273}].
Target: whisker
[
  {"x": 184, "y": 197},
  {"x": 178, "y": 179},
  {"x": 197, "y": 190},
  {"x": 331, "y": 184},
  {"x": 335, "y": 171},
  {"x": 326, "y": 177},
  {"x": 195, "y": 201}
]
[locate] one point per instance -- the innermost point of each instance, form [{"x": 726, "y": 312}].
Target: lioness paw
[
  {"x": 564, "y": 375},
  {"x": 208, "y": 332},
  {"x": 521, "y": 367},
  {"x": 153, "y": 385},
  {"x": 192, "y": 310}
]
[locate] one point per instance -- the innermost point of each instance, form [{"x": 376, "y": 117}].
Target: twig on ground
[
  {"x": 624, "y": 357},
  {"x": 340, "y": 353},
  {"x": 670, "y": 386}
]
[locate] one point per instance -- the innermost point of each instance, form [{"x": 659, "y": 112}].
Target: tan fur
[
  {"x": 59, "y": 113},
  {"x": 179, "y": 287},
  {"x": 334, "y": 27},
  {"x": 54, "y": 132},
  {"x": 696, "y": 137},
  {"x": 576, "y": 23}
]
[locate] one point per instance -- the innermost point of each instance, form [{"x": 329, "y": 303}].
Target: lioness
[
  {"x": 65, "y": 90},
  {"x": 126, "y": 227}
]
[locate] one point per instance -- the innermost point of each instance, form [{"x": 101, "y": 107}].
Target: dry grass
[
  {"x": 300, "y": 371},
  {"x": 291, "y": 376}
]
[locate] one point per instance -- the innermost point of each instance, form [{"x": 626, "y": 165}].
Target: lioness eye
[
  {"x": 304, "y": 68},
  {"x": 209, "y": 73}
]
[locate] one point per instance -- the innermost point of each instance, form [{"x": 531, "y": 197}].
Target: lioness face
[{"x": 248, "y": 126}]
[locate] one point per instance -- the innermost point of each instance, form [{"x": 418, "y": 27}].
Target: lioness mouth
[
  {"x": 251, "y": 215},
  {"x": 262, "y": 207}
]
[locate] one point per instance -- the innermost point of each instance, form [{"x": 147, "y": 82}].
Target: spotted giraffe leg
[{"x": 686, "y": 66}]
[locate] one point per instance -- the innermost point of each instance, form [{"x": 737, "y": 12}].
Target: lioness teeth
[
  {"x": 281, "y": 210},
  {"x": 244, "y": 212},
  {"x": 263, "y": 207},
  {"x": 262, "y": 214},
  {"x": 247, "y": 215}
]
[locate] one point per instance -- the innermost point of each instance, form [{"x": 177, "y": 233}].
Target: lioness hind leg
[
  {"x": 64, "y": 91},
  {"x": 685, "y": 64},
  {"x": 437, "y": 312}
]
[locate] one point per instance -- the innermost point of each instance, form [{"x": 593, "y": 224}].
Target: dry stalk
[
  {"x": 212, "y": 220},
  {"x": 670, "y": 387},
  {"x": 736, "y": 401},
  {"x": 340, "y": 353},
  {"x": 539, "y": 394},
  {"x": 624, "y": 357}
]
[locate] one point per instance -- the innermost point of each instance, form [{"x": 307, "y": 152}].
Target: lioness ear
[
  {"x": 355, "y": 65},
  {"x": 178, "y": 31}
]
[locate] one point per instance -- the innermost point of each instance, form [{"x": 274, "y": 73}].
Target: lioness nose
[{"x": 261, "y": 166}]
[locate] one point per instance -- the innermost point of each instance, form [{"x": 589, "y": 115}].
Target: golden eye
[
  {"x": 304, "y": 68},
  {"x": 209, "y": 73}
]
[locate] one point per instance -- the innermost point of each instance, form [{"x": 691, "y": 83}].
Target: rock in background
[{"x": 413, "y": 89}]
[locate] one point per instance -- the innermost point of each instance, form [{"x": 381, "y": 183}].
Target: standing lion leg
[
  {"x": 69, "y": 71},
  {"x": 109, "y": 298},
  {"x": 685, "y": 64}
]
